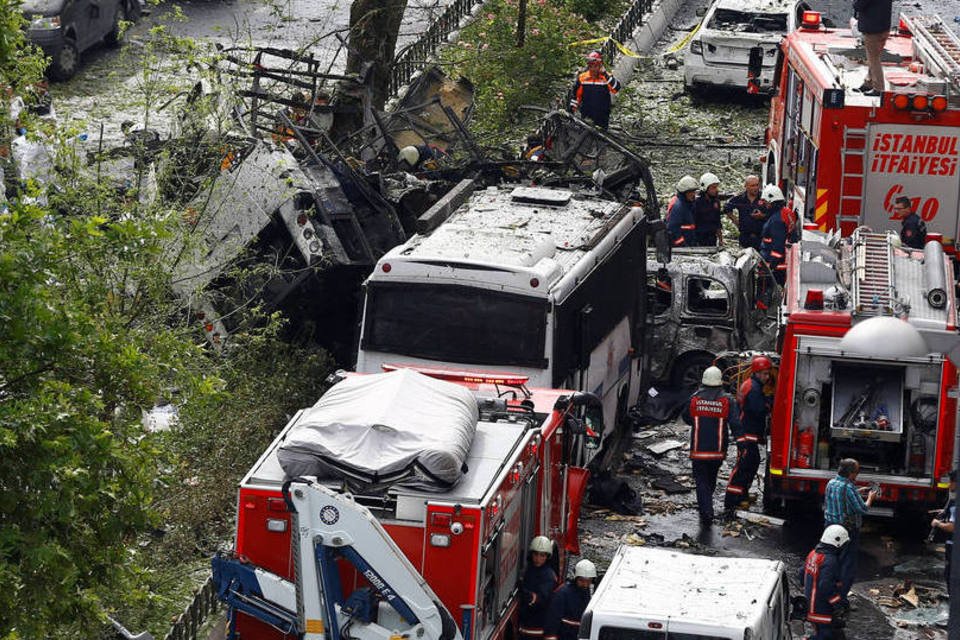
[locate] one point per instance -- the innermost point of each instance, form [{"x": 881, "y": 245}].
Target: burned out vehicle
[{"x": 702, "y": 303}]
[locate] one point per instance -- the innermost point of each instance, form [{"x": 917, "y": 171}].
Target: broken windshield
[
  {"x": 41, "y": 7},
  {"x": 732, "y": 20}
]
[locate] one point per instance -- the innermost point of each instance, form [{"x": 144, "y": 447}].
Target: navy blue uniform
[
  {"x": 773, "y": 244},
  {"x": 750, "y": 228},
  {"x": 748, "y": 433},
  {"x": 709, "y": 412},
  {"x": 536, "y": 586},
  {"x": 913, "y": 232},
  {"x": 706, "y": 215},
  {"x": 566, "y": 607},
  {"x": 592, "y": 95},
  {"x": 821, "y": 585},
  {"x": 680, "y": 223}
]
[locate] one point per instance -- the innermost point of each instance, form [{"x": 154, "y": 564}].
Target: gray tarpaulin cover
[{"x": 385, "y": 429}]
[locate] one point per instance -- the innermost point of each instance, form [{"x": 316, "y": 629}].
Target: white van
[{"x": 662, "y": 594}]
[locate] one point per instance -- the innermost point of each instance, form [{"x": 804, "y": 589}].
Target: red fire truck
[
  {"x": 863, "y": 374},
  {"x": 843, "y": 157},
  {"x": 452, "y": 553}
]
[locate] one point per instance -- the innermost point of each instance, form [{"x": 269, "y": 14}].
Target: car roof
[{"x": 757, "y": 6}]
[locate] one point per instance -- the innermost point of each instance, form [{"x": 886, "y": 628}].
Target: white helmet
[
  {"x": 712, "y": 377},
  {"x": 708, "y": 179},
  {"x": 687, "y": 183},
  {"x": 895, "y": 241},
  {"x": 772, "y": 193},
  {"x": 835, "y": 535},
  {"x": 585, "y": 569},
  {"x": 541, "y": 544},
  {"x": 410, "y": 155}
]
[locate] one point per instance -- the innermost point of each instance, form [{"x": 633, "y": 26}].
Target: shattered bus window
[
  {"x": 659, "y": 294},
  {"x": 732, "y": 20}
]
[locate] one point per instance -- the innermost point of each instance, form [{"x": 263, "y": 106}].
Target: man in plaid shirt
[{"x": 843, "y": 505}]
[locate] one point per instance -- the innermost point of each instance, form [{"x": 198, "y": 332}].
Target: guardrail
[
  {"x": 189, "y": 623},
  {"x": 415, "y": 56},
  {"x": 630, "y": 20}
]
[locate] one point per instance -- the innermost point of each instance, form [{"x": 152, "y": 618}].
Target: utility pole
[{"x": 521, "y": 23}]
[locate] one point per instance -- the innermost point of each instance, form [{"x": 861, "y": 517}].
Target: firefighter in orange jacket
[
  {"x": 749, "y": 433},
  {"x": 592, "y": 91},
  {"x": 821, "y": 583},
  {"x": 709, "y": 413}
]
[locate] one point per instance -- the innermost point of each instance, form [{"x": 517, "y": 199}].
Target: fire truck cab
[
  {"x": 465, "y": 541},
  {"x": 843, "y": 156},
  {"x": 865, "y": 328}
]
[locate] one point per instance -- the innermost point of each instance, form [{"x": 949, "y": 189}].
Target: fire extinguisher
[{"x": 805, "y": 449}]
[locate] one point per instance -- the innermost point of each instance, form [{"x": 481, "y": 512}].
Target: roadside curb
[{"x": 646, "y": 35}]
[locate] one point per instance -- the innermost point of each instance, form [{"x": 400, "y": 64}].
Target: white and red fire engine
[
  {"x": 399, "y": 560},
  {"x": 842, "y": 156},
  {"x": 864, "y": 371}
]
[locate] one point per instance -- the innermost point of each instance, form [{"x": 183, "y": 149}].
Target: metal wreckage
[{"x": 288, "y": 215}]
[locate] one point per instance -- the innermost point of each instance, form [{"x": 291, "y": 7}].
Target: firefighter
[
  {"x": 414, "y": 158},
  {"x": 538, "y": 582},
  {"x": 913, "y": 230},
  {"x": 709, "y": 412},
  {"x": 593, "y": 90},
  {"x": 749, "y": 432},
  {"x": 568, "y": 603},
  {"x": 821, "y": 583},
  {"x": 706, "y": 212},
  {"x": 680, "y": 221},
  {"x": 779, "y": 229},
  {"x": 751, "y": 214}
]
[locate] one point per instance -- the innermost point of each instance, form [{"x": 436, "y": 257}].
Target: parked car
[
  {"x": 702, "y": 303},
  {"x": 65, "y": 29},
  {"x": 720, "y": 49}
]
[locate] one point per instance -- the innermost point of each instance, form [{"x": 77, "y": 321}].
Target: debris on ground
[
  {"x": 761, "y": 519},
  {"x": 659, "y": 448}
]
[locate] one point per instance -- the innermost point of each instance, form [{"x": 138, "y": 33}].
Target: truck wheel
[
  {"x": 65, "y": 64},
  {"x": 688, "y": 370}
]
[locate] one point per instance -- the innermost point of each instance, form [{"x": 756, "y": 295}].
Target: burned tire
[
  {"x": 688, "y": 369},
  {"x": 66, "y": 62}
]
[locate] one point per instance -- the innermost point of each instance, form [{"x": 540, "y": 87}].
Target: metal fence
[
  {"x": 189, "y": 623},
  {"x": 632, "y": 19},
  {"x": 415, "y": 56}
]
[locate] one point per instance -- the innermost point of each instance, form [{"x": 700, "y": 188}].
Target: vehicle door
[
  {"x": 707, "y": 316},
  {"x": 756, "y": 305},
  {"x": 664, "y": 318},
  {"x": 83, "y": 15}
]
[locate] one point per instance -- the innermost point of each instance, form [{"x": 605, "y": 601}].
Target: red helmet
[
  {"x": 760, "y": 363},
  {"x": 594, "y": 56}
]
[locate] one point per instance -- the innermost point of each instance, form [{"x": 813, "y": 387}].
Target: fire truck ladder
[
  {"x": 937, "y": 46},
  {"x": 872, "y": 292},
  {"x": 852, "y": 164}
]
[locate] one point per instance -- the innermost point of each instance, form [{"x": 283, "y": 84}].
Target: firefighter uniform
[
  {"x": 821, "y": 586},
  {"x": 777, "y": 232},
  {"x": 535, "y": 589},
  {"x": 748, "y": 433},
  {"x": 592, "y": 93},
  {"x": 749, "y": 224},
  {"x": 709, "y": 413},
  {"x": 680, "y": 223},
  {"x": 913, "y": 232},
  {"x": 706, "y": 215},
  {"x": 566, "y": 607}
]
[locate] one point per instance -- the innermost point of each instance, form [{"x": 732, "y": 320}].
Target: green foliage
[
  {"x": 505, "y": 76},
  {"x": 589, "y": 9}
]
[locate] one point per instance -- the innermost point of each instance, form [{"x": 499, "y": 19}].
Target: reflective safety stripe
[
  {"x": 736, "y": 490},
  {"x": 688, "y": 227},
  {"x": 679, "y": 241},
  {"x": 819, "y": 618},
  {"x": 776, "y": 254},
  {"x": 530, "y": 631},
  {"x": 572, "y": 623},
  {"x": 835, "y": 599},
  {"x": 706, "y": 455},
  {"x": 768, "y": 239},
  {"x": 781, "y": 267},
  {"x": 748, "y": 438}
]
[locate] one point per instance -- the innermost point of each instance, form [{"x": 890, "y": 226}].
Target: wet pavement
[{"x": 892, "y": 552}]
